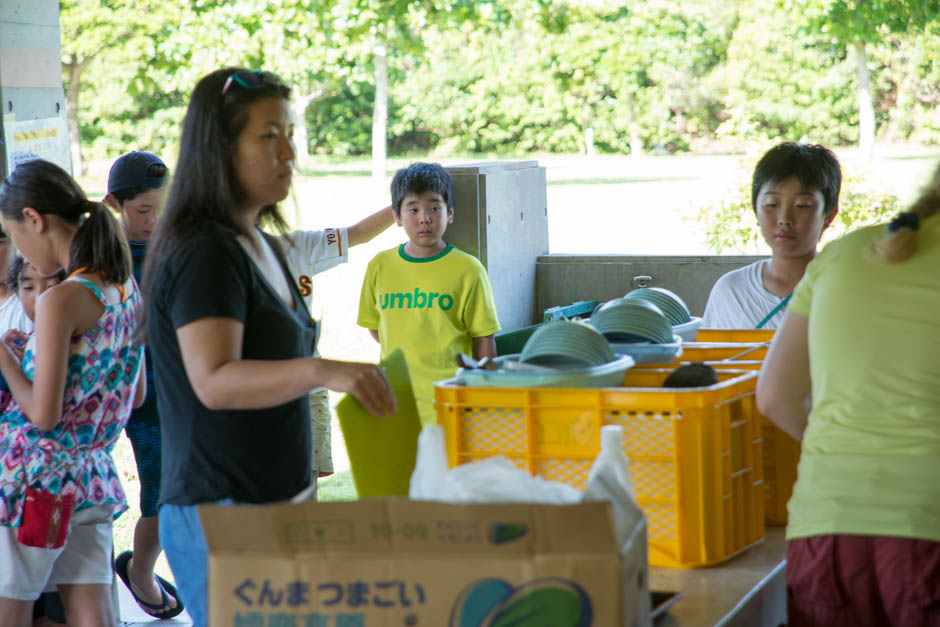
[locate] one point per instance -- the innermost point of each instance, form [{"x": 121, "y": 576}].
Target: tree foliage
[{"x": 513, "y": 77}]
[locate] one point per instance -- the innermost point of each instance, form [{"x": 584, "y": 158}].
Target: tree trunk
[
  {"x": 587, "y": 121},
  {"x": 866, "y": 111},
  {"x": 301, "y": 138},
  {"x": 380, "y": 114},
  {"x": 71, "y": 113},
  {"x": 636, "y": 143}
]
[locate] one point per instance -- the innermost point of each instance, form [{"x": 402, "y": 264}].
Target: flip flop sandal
[{"x": 166, "y": 590}]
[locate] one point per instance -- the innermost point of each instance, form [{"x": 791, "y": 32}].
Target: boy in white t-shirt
[
  {"x": 795, "y": 194},
  {"x": 308, "y": 253}
]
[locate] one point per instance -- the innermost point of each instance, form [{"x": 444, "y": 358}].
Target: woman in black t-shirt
[{"x": 231, "y": 341}]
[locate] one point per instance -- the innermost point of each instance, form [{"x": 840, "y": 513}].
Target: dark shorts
[
  {"x": 143, "y": 430},
  {"x": 861, "y": 581},
  {"x": 50, "y": 606}
]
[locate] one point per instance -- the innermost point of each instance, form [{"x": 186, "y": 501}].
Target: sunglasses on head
[{"x": 249, "y": 80}]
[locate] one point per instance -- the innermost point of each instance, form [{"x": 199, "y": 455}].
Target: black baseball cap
[{"x": 134, "y": 170}]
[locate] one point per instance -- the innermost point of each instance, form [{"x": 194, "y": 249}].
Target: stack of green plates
[
  {"x": 604, "y": 376},
  {"x": 673, "y": 307},
  {"x": 626, "y": 320},
  {"x": 567, "y": 344}
]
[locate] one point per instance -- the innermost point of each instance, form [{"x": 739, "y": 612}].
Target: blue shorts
[{"x": 143, "y": 430}]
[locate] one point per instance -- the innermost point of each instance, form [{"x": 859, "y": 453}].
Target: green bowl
[
  {"x": 632, "y": 320},
  {"x": 673, "y": 307},
  {"x": 565, "y": 343}
]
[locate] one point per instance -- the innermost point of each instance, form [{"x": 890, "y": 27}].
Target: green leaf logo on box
[
  {"x": 506, "y": 532},
  {"x": 547, "y": 601}
]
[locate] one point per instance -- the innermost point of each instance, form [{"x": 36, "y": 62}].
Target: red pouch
[{"x": 46, "y": 519}]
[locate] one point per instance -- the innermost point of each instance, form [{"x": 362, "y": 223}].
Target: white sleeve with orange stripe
[{"x": 312, "y": 252}]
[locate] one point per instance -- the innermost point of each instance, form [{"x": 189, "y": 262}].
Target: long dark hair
[
  {"x": 206, "y": 193},
  {"x": 98, "y": 245}
]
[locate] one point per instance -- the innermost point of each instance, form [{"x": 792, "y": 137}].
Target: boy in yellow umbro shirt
[{"x": 425, "y": 296}]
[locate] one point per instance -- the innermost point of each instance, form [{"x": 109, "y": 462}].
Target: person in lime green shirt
[
  {"x": 853, "y": 372},
  {"x": 425, "y": 296}
]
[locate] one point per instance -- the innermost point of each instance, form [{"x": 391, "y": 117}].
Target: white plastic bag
[
  {"x": 609, "y": 480},
  {"x": 491, "y": 480},
  {"x": 429, "y": 478}
]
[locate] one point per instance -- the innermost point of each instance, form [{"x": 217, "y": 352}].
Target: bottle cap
[{"x": 611, "y": 437}]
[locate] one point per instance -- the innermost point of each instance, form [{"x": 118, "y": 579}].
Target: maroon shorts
[{"x": 858, "y": 581}]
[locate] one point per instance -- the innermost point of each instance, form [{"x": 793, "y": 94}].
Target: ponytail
[
  {"x": 100, "y": 246},
  {"x": 901, "y": 240}
]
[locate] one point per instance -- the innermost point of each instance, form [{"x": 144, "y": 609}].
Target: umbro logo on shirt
[{"x": 417, "y": 300}]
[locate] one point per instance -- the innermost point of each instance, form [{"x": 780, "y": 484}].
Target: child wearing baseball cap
[{"x": 136, "y": 189}]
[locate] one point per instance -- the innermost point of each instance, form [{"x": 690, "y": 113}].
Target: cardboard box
[{"x": 412, "y": 563}]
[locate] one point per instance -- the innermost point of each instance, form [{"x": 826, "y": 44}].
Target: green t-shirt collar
[{"x": 407, "y": 257}]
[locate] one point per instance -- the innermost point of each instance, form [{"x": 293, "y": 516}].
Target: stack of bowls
[
  {"x": 673, "y": 307},
  {"x": 629, "y": 321},
  {"x": 566, "y": 344}
]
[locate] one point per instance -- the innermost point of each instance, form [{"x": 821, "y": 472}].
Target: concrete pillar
[{"x": 32, "y": 102}]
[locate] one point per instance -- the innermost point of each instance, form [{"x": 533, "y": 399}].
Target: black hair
[
  {"x": 18, "y": 266},
  {"x": 209, "y": 195},
  {"x": 694, "y": 375},
  {"x": 16, "y": 269},
  {"x": 815, "y": 167},
  {"x": 418, "y": 178},
  {"x": 123, "y": 195},
  {"x": 98, "y": 245}
]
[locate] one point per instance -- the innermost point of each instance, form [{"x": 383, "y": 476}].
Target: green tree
[
  {"x": 780, "y": 87},
  {"x": 91, "y": 29},
  {"x": 295, "y": 39},
  {"x": 383, "y": 29},
  {"x": 856, "y": 24}
]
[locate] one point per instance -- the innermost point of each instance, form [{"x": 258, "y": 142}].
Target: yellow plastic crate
[
  {"x": 719, "y": 351},
  {"x": 781, "y": 456},
  {"x": 743, "y": 336},
  {"x": 723, "y": 345},
  {"x": 695, "y": 454}
]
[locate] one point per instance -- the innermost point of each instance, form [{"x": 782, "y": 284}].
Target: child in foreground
[
  {"x": 425, "y": 296},
  {"x": 72, "y": 391}
]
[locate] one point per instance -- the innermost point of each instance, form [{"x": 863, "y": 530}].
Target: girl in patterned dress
[{"x": 68, "y": 399}]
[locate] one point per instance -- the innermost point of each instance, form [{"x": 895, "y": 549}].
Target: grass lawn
[{"x": 338, "y": 487}]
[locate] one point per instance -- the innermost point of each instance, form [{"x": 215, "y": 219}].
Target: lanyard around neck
[{"x": 773, "y": 312}]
